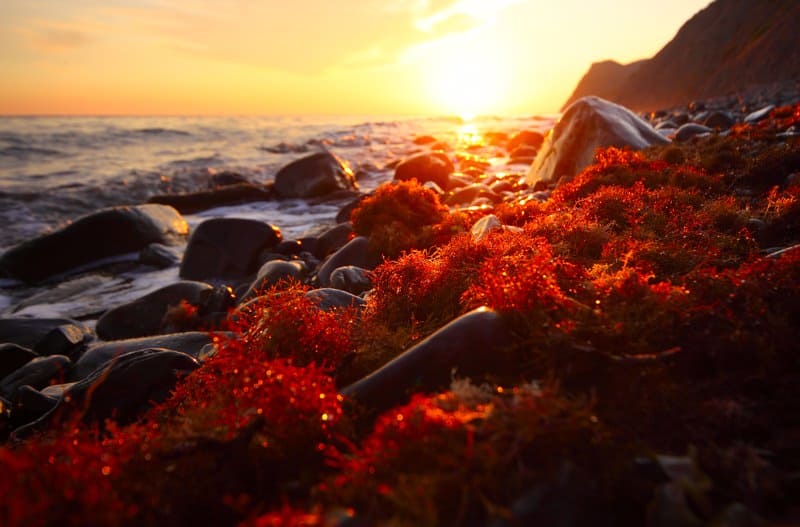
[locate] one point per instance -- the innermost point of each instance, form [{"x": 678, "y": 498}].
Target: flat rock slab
[
  {"x": 588, "y": 124},
  {"x": 92, "y": 238}
]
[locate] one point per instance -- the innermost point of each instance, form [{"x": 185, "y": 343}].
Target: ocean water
[{"x": 54, "y": 169}]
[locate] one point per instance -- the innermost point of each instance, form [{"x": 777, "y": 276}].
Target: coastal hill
[{"x": 730, "y": 47}]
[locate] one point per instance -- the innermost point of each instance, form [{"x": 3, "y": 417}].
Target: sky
[{"x": 313, "y": 57}]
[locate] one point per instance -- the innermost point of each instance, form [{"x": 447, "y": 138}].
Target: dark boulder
[
  {"x": 92, "y": 238},
  {"x": 13, "y": 357},
  {"x": 37, "y": 373},
  {"x": 233, "y": 194},
  {"x": 345, "y": 212},
  {"x": 588, "y": 124},
  {"x": 273, "y": 272},
  {"x": 191, "y": 343},
  {"x": 69, "y": 339},
  {"x": 149, "y": 315},
  {"x": 525, "y": 138},
  {"x": 352, "y": 279},
  {"x": 356, "y": 252},
  {"x": 327, "y": 299},
  {"x": 227, "y": 248},
  {"x": 315, "y": 175},
  {"x": 435, "y": 167},
  {"x": 159, "y": 256},
  {"x": 469, "y": 345},
  {"x": 333, "y": 239},
  {"x": 719, "y": 120},
  {"x": 34, "y": 333}
]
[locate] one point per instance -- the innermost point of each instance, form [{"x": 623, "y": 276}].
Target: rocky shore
[{"x": 609, "y": 339}]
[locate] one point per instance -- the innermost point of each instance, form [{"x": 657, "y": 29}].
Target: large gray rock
[
  {"x": 315, "y": 175},
  {"x": 97, "y": 236},
  {"x": 227, "y": 248},
  {"x": 588, "y": 124}
]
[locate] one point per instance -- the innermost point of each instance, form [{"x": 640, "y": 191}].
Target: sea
[{"x": 55, "y": 169}]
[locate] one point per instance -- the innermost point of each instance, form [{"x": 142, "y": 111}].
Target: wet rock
[
  {"x": 90, "y": 239},
  {"x": 191, "y": 343},
  {"x": 481, "y": 228},
  {"x": 227, "y": 248},
  {"x": 352, "y": 279},
  {"x": 159, "y": 256},
  {"x": 588, "y": 124},
  {"x": 333, "y": 239},
  {"x": 523, "y": 154},
  {"x": 469, "y": 345},
  {"x": 327, "y": 299},
  {"x": 69, "y": 339},
  {"x": 344, "y": 213},
  {"x": 148, "y": 315},
  {"x": 689, "y": 130},
  {"x": 232, "y": 194},
  {"x": 435, "y": 167},
  {"x": 315, "y": 175},
  {"x": 526, "y": 138},
  {"x": 289, "y": 247},
  {"x": 759, "y": 115},
  {"x": 273, "y": 272},
  {"x": 471, "y": 193},
  {"x": 29, "y": 405},
  {"x": 424, "y": 140},
  {"x": 356, "y": 252},
  {"x": 37, "y": 373},
  {"x": 30, "y": 332},
  {"x": 13, "y": 357},
  {"x": 719, "y": 120}
]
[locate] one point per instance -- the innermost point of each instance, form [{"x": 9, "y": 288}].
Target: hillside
[{"x": 725, "y": 49}]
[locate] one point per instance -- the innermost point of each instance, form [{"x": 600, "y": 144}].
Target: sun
[{"x": 467, "y": 78}]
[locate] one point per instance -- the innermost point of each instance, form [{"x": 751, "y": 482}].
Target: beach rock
[
  {"x": 13, "y": 357},
  {"x": 481, "y": 228},
  {"x": 147, "y": 315},
  {"x": 424, "y": 140},
  {"x": 29, "y": 405},
  {"x": 315, "y": 175},
  {"x": 525, "y": 138},
  {"x": 689, "y": 130},
  {"x": 191, "y": 343},
  {"x": 588, "y": 124},
  {"x": 90, "y": 239},
  {"x": 289, "y": 247},
  {"x": 273, "y": 272},
  {"x": 327, "y": 299},
  {"x": 37, "y": 373},
  {"x": 227, "y": 178},
  {"x": 344, "y": 213},
  {"x": 355, "y": 252},
  {"x": 159, "y": 256},
  {"x": 69, "y": 339},
  {"x": 523, "y": 154},
  {"x": 435, "y": 167},
  {"x": 227, "y": 248},
  {"x": 352, "y": 279},
  {"x": 29, "y": 332},
  {"x": 231, "y": 194},
  {"x": 468, "y": 345},
  {"x": 759, "y": 115},
  {"x": 470, "y": 193},
  {"x": 333, "y": 239},
  {"x": 719, "y": 120}
]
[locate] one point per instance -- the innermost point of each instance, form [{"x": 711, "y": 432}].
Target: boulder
[
  {"x": 159, "y": 256},
  {"x": 227, "y": 248},
  {"x": 93, "y": 238},
  {"x": 356, "y": 252},
  {"x": 719, "y": 120},
  {"x": 232, "y": 194},
  {"x": 37, "y": 373},
  {"x": 333, "y": 239},
  {"x": 327, "y": 299},
  {"x": 525, "y": 138},
  {"x": 191, "y": 343},
  {"x": 352, "y": 279},
  {"x": 69, "y": 339},
  {"x": 689, "y": 130},
  {"x": 273, "y": 272},
  {"x": 13, "y": 357},
  {"x": 315, "y": 175},
  {"x": 148, "y": 315},
  {"x": 588, "y": 124},
  {"x": 34, "y": 333},
  {"x": 468, "y": 345},
  {"x": 481, "y": 228},
  {"x": 435, "y": 167}
]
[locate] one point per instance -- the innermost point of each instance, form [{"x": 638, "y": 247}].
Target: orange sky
[{"x": 393, "y": 57}]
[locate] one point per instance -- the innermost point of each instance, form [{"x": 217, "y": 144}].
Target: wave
[
  {"x": 161, "y": 131},
  {"x": 26, "y": 152}
]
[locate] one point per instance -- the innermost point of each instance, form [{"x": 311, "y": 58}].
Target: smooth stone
[
  {"x": 145, "y": 316},
  {"x": 30, "y": 404},
  {"x": 191, "y": 343},
  {"x": 273, "y": 272},
  {"x": 780, "y": 252},
  {"x": 14, "y": 357},
  {"x": 468, "y": 345},
  {"x": 28, "y": 332},
  {"x": 434, "y": 187},
  {"x": 315, "y": 175},
  {"x": 37, "y": 373},
  {"x": 481, "y": 228},
  {"x": 232, "y": 194},
  {"x": 669, "y": 124},
  {"x": 759, "y": 115},
  {"x": 66, "y": 339},
  {"x": 523, "y": 152},
  {"x": 159, "y": 256},
  {"x": 434, "y": 166},
  {"x": 355, "y": 252},
  {"x": 588, "y": 124},
  {"x": 689, "y": 130},
  {"x": 719, "y": 120},
  {"x": 227, "y": 248},
  {"x": 352, "y": 279},
  {"x": 289, "y": 247},
  {"x": 327, "y": 299},
  {"x": 471, "y": 193},
  {"x": 344, "y": 213},
  {"x": 525, "y": 138},
  {"x": 90, "y": 239},
  {"x": 333, "y": 239},
  {"x": 424, "y": 140}
]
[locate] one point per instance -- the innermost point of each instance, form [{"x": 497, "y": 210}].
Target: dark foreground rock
[
  {"x": 327, "y": 299},
  {"x": 89, "y": 239},
  {"x": 468, "y": 345},
  {"x": 312, "y": 176},
  {"x": 435, "y": 167},
  {"x": 356, "y": 252},
  {"x": 13, "y": 357},
  {"x": 234, "y": 194},
  {"x": 33, "y": 333},
  {"x": 227, "y": 248},
  {"x": 588, "y": 124},
  {"x": 37, "y": 373}
]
